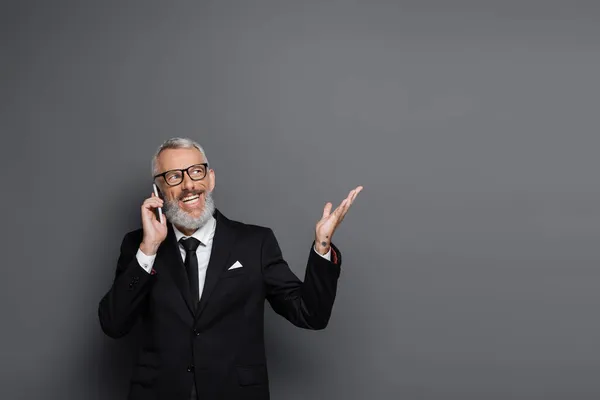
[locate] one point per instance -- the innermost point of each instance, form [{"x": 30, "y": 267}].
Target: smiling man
[{"x": 198, "y": 282}]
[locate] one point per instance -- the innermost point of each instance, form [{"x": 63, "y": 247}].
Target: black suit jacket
[{"x": 221, "y": 344}]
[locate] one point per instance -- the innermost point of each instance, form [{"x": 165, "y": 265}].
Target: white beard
[{"x": 179, "y": 217}]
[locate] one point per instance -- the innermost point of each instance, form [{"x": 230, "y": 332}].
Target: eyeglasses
[{"x": 174, "y": 177}]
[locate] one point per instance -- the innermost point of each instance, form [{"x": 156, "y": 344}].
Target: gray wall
[{"x": 471, "y": 258}]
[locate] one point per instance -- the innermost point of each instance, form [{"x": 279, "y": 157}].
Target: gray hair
[{"x": 176, "y": 143}]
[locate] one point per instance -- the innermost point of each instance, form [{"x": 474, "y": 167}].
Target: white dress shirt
[{"x": 205, "y": 235}]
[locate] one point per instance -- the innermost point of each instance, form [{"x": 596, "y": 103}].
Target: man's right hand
[{"x": 154, "y": 232}]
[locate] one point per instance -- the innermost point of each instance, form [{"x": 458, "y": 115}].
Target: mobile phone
[{"x": 160, "y": 215}]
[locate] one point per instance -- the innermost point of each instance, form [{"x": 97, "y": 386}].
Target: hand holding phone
[{"x": 155, "y": 229}]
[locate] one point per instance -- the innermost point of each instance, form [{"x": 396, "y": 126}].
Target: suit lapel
[
  {"x": 176, "y": 268},
  {"x": 223, "y": 243}
]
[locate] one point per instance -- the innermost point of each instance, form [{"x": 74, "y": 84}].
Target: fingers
[
  {"x": 152, "y": 202},
  {"x": 155, "y": 231},
  {"x": 347, "y": 202},
  {"x": 148, "y": 207},
  {"x": 353, "y": 193},
  {"x": 344, "y": 206},
  {"x": 338, "y": 211},
  {"x": 351, "y": 198},
  {"x": 356, "y": 192}
]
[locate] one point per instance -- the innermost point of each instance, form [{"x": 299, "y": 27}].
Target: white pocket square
[{"x": 236, "y": 265}]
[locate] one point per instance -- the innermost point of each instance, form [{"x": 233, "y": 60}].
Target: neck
[{"x": 186, "y": 231}]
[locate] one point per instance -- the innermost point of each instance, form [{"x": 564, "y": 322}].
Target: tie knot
[{"x": 189, "y": 244}]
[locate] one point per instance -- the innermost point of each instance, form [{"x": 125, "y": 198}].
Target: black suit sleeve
[
  {"x": 305, "y": 304},
  {"x": 120, "y": 308}
]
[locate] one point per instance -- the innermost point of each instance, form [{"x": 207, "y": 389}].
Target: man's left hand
[{"x": 331, "y": 220}]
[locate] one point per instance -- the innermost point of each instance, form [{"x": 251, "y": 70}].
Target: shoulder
[{"x": 245, "y": 229}]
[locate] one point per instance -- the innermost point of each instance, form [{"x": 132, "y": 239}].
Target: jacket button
[
  {"x": 190, "y": 368},
  {"x": 196, "y": 333}
]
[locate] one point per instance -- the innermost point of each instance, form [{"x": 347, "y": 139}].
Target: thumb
[{"x": 327, "y": 210}]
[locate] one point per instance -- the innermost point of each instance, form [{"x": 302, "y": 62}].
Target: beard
[{"x": 181, "y": 218}]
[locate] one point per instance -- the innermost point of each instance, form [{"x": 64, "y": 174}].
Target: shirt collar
[{"x": 204, "y": 234}]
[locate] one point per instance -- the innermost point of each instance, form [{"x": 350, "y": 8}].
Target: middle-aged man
[{"x": 198, "y": 284}]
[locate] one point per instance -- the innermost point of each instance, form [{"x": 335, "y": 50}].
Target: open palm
[{"x": 331, "y": 220}]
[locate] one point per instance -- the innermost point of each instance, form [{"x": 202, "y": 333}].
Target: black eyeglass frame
[{"x": 183, "y": 172}]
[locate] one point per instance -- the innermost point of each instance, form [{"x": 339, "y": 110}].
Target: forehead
[{"x": 178, "y": 158}]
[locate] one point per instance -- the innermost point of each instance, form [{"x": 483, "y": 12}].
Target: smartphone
[{"x": 160, "y": 215}]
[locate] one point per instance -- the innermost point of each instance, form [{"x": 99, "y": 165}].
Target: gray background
[{"x": 471, "y": 258}]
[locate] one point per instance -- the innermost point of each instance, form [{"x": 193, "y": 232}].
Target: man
[{"x": 198, "y": 284}]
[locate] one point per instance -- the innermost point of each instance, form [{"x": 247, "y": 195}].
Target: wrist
[
  {"x": 322, "y": 246},
  {"x": 149, "y": 249}
]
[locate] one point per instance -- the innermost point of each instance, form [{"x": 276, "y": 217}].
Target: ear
[{"x": 211, "y": 173}]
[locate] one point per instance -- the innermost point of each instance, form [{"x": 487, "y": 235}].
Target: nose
[{"x": 187, "y": 183}]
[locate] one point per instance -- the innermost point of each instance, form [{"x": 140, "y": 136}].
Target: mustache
[{"x": 186, "y": 193}]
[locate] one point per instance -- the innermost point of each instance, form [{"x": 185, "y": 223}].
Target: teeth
[{"x": 191, "y": 198}]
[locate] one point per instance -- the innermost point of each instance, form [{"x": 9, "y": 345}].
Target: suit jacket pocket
[
  {"x": 252, "y": 375},
  {"x": 145, "y": 371},
  {"x": 233, "y": 272}
]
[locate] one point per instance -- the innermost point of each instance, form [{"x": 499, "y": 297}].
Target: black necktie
[{"x": 191, "y": 266}]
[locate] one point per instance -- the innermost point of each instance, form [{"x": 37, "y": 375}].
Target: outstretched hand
[{"x": 331, "y": 220}]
